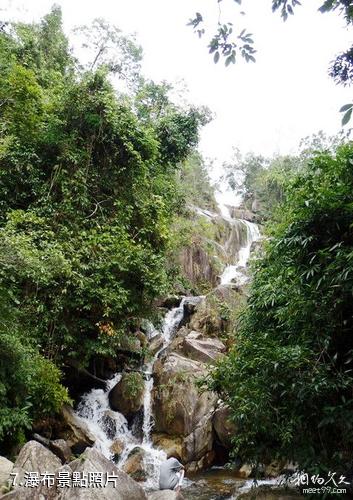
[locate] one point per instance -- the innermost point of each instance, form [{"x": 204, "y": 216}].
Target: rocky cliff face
[
  {"x": 198, "y": 266},
  {"x": 185, "y": 415},
  {"x": 215, "y": 242}
]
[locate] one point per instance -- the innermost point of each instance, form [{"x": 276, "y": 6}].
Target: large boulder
[
  {"x": 207, "y": 319},
  {"x": 194, "y": 451},
  {"x": 121, "y": 488},
  {"x": 156, "y": 343},
  {"x": 199, "y": 348},
  {"x": 36, "y": 493},
  {"x": 75, "y": 431},
  {"x": 39, "y": 460},
  {"x": 245, "y": 471},
  {"x": 135, "y": 464},
  {"x": 57, "y": 446},
  {"x": 176, "y": 344},
  {"x": 172, "y": 445},
  {"x": 117, "y": 448},
  {"x": 199, "y": 442},
  {"x": 35, "y": 457},
  {"x": 243, "y": 213},
  {"x": 61, "y": 450},
  {"x": 127, "y": 395},
  {"x": 205, "y": 462},
  {"x": 224, "y": 427},
  {"x": 183, "y": 413},
  {"x": 178, "y": 404},
  {"x": 216, "y": 315}
]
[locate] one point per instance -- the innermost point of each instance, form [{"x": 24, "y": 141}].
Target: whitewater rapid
[{"x": 110, "y": 426}]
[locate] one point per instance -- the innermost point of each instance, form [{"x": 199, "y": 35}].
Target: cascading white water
[
  {"x": 105, "y": 424},
  {"x": 110, "y": 426},
  {"x": 236, "y": 272}
]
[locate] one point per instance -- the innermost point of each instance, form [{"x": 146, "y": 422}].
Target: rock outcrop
[
  {"x": 135, "y": 464},
  {"x": 75, "y": 431},
  {"x": 156, "y": 343},
  {"x": 123, "y": 488},
  {"x": 183, "y": 414},
  {"x": 117, "y": 448},
  {"x": 186, "y": 416},
  {"x": 127, "y": 395},
  {"x": 58, "y": 446},
  {"x": 61, "y": 449},
  {"x": 198, "y": 266},
  {"x": 36, "y": 459},
  {"x": 199, "y": 348},
  {"x": 207, "y": 319},
  {"x": 243, "y": 213},
  {"x": 224, "y": 428},
  {"x": 172, "y": 445},
  {"x": 178, "y": 404}
]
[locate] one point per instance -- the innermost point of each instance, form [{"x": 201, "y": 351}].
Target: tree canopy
[{"x": 88, "y": 186}]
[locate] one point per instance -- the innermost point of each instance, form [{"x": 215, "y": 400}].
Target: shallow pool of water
[
  {"x": 222, "y": 484},
  {"x": 214, "y": 484}
]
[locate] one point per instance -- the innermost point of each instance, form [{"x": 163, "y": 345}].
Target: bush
[{"x": 29, "y": 384}]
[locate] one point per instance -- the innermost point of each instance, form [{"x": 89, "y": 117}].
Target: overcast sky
[{"x": 265, "y": 107}]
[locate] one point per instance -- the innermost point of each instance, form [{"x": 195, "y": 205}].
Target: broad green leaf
[
  {"x": 346, "y": 117},
  {"x": 346, "y": 107}
]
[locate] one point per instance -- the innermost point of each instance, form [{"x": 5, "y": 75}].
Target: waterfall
[
  {"x": 110, "y": 426},
  {"x": 236, "y": 272}
]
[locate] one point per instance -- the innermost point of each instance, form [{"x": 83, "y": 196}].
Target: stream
[{"x": 110, "y": 426}]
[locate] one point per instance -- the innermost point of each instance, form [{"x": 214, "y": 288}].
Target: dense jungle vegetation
[
  {"x": 289, "y": 377},
  {"x": 93, "y": 189},
  {"x": 90, "y": 180}
]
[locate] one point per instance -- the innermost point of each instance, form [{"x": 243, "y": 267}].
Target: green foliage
[
  {"x": 227, "y": 44},
  {"x": 288, "y": 380},
  {"x": 178, "y": 134},
  {"x": 195, "y": 183},
  {"x": 260, "y": 180},
  {"x": 152, "y": 100},
  {"x": 263, "y": 181},
  {"x": 43, "y": 47},
  {"x": 347, "y": 110},
  {"x": 88, "y": 188},
  {"x": 30, "y": 384},
  {"x": 224, "y": 43},
  {"x": 341, "y": 69},
  {"x": 133, "y": 385}
]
